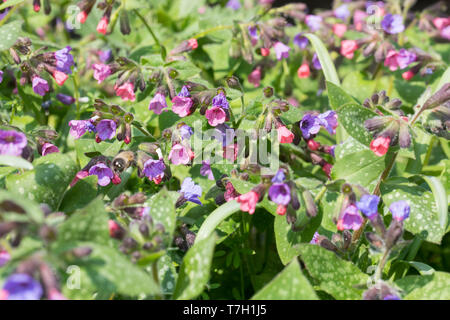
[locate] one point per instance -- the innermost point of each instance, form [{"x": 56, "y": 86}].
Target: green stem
[
  {"x": 148, "y": 27},
  {"x": 380, "y": 267}
]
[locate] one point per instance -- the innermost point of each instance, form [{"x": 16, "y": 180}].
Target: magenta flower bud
[
  {"x": 12, "y": 142},
  {"x": 158, "y": 104},
  {"x": 106, "y": 129},
  {"x": 255, "y": 77},
  {"x": 48, "y": 148}
]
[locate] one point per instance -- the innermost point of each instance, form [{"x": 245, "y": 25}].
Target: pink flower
[
  {"x": 391, "y": 60},
  {"x": 182, "y": 106},
  {"x": 284, "y": 135},
  {"x": 248, "y": 201},
  {"x": 281, "y": 50},
  {"x": 126, "y": 91},
  {"x": 255, "y": 77},
  {"x": 380, "y": 145},
  {"x": 55, "y": 295},
  {"x": 102, "y": 25},
  {"x": 313, "y": 145},
  {"x": 441, "y": 23},
  {"x": 48, "y": 148},
  {"x": 265, "y": 52},
  {"x": 281, "y": 210},
  {"x": 180, "y": 154},
  {"x": 101, "y": 72},
  {"x": 407, "y": 75},
  {"x": 60, "y": 77},
  {"x": 158, "y": 103},
  {"x": 348, "y": 47},
  {"x": 82, "y": 16},
  {"x": 303, "y": 71},
  {"x": 193, "y": 44},
  {"x": 215, "y": 116},
  {"x": 339, "y": 29},
  {"x": 359, "y": 18},
  {"x": 80, "y": 175},
  {"x": 230, "y": 152}
]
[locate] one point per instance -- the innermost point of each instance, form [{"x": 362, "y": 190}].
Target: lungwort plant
[{"x": 218, "y": 149}]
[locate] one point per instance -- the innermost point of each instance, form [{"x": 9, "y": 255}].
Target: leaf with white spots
[
  {"x": 338, "y": 277},
  {"x": 195, "y": 269},
  {"x": 162, "y": 209},
  {"x": 108, "y": 149},
  {"x": 87, "y": 224},
  {"x": 104, "y": 272},
  {"x": 429, "y": 287},
  {"x": 167, "y": 274},
  {"x": 48, "y": 180},
  {"x": 337, "y": 96},
  {"x": 289, "y": 284},
  {"x": 362, "y": 167},
  {"x": 10, "y": 32},
  {"x": 424, "y": 217},
  {"x": 352, "y": 117}
]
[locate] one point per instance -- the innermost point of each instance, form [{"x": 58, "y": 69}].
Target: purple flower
[
  {"x": 1, "y": 76},
  {"x": 253, "y": 31},
  {"x": 48, "y": 148},
  {"x": 315, "y": 238},
  {"x": 405, "y": 58},
  {"x": 391, "y": 297},
  {"x": 315, "y": 62},
  {"x": 310, "y": 125},
  {"x": 226, "y": 134},
  {"x": 12, "y": 142},
  {"x": 342, "y": 12},
  {"x": 191, "y": 191},
  {"x": 445, "y": 33},
  {"x": 4, "y": 257},
  {"x": 154, "y": 169},
  {"x": 400, "y": 210},
  {"x": 158, "y": 103},
  {"x": 313, "y": 22},
  {"x": 205, "y": 170},
  {"x": 280, "y": 193},
  {"x": 279, "y": 177},
  {"x": 185, "y": 132},
  {"x": 184, "y": 92},
  {"x": 281, "y": 50},
  {"x": 328, "y": 120},
  {"x": 67, "y": 100},
  {"x": 368, "y": 204},
  {"x": 40, "y": 86},
  {"x": 21, "y": 286},
  {"x": 64, "y": 60},
  {"x": 106, "y": 129},
  {"x": 105, "y": 55},
  {"x": 350, "y": 219},
  {"x": 220, "y": 100},
  {"x": 79, "y": 127},
  {"x": 234, "y": 4},
  {"x": 103, "y": 172},
  {"x": 300, "y": 40},
  {"x": 393, "y": 23}
]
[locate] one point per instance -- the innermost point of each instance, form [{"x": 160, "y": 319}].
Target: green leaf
[
  {"x": 215, "y": 218},
  {"x": 87, "y": 224},
  {"x": 338, "y": 277},
  {"x": 440, "y": 197},
  {"x": 32, "y": 210},
  {"x": 289, "y": 284},
  {"x": 78, "y": 196},
  {"x": 423, "y": 268},
  {"x": 352, "y": 117},
  {"x": 287, "y": 240},
  {"x": 16, "y": 162},
  {"x": 362, "y": 167},
  {"x": 162, "y": 209},
  {"x": 324, "y": 58},
  {"x": 10, "y": 4},
  {"x": 337, "y": 96},
  {"x": 195, "y": 269},
  {"x": 47, "y": 182},
  {"x": 106, "y": 271},
  {"x": 424, "y": 217},
  {"x": 432, "y": 287},
  {"x": 10, "y": 32}
]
